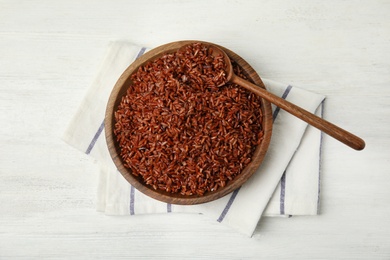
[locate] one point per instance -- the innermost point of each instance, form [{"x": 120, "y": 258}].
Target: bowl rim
[{"x": 120, "y": 88}]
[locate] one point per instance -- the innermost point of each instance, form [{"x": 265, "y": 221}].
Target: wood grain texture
[
  {"x": 49, "y": 54},
  {"x": 119, "y": 90}
]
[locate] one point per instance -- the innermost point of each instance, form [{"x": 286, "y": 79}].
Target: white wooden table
[{"x": 49, "y": 53}]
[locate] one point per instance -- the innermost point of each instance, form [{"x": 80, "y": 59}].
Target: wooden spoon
[{"x": 336, "y": 132}]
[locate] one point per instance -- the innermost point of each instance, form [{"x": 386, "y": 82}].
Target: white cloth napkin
[{"x": 287, "y": 183}]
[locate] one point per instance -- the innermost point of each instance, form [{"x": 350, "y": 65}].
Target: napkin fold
[{"x": 287, "y": 183}]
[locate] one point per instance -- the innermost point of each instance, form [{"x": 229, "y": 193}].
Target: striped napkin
[{"x": 286, "y": 184}]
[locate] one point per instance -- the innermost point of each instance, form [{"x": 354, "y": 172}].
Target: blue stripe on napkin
[{"x": 95, "y": 137}]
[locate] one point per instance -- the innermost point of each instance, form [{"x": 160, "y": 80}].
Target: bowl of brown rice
[{"x": 179, "y": 137}]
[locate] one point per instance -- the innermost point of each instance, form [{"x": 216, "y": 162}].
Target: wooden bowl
[{"x": 119, "y": 91}]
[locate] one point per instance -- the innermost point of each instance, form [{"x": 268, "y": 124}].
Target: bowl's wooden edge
[{"x": 179, "y": 199}]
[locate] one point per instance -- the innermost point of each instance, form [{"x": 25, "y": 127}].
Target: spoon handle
[{"x": 336, "y": 132}]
